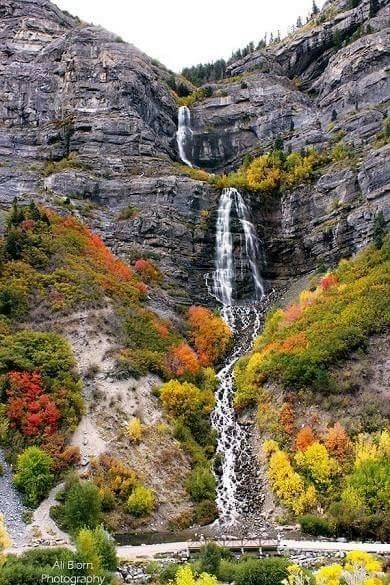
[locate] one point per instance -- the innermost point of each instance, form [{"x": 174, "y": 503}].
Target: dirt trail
[{"x": 43, "y": 530}]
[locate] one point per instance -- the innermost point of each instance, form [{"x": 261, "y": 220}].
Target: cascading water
[
  {"x": 245, "y": 320},
  {"x": 184, "y": 134},
  {"x": 224, "y": 269}
]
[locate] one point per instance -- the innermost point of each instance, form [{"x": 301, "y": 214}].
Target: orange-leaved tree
[
  {"x": 181, "y": 360},
  {"x": 337, "y": 441},
  {"x": 210, "y": 334},
  {"x": 304, "y": 438}
]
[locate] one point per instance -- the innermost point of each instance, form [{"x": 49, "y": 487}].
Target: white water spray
[
  {"x": 224, "y": 269},
  {"x": 184, "y": 134},
  {"x": 224, "y": 266},
  {"x": 245, "y": 321}
]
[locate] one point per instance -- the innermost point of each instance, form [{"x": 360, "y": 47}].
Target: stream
[{"x": 239, "y": 493}]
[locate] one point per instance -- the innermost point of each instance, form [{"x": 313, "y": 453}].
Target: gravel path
[{"x": 11, "y": 504}]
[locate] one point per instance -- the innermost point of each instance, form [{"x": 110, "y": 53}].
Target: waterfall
[
  {"x": 224, "y": 270},
  {"x": 184, "y": 134},
  {"x": 224, "y": 266},
  {"x": 252, "y": 247},
  {"x": 245, "y": 320}
]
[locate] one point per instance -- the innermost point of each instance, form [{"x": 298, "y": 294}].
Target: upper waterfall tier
[{"x": 184, "y": 135}]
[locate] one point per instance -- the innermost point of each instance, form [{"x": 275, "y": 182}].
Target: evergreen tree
[
  {"x": 278, "y": 145},
  {"x": 374, "y": 7},
  {"x": 379, "y": 230},
  {"x": 315, "y": 10},
  {"x": 33, "y": 211},
  {"x": 17, "y": 214}
]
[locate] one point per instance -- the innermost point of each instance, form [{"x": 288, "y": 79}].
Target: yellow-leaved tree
[
  {"x": 360, "y": 568},
  {"x": 182, "y": 399},
  {"x": 134, "y": 430},
  {"x": 316, "y": 463},
  {"x": 286, "y": 483}
]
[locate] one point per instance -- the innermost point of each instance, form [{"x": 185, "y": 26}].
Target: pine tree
[
  {"x": 374, "y": 7},
  {"x": 315, "y": 10},
  {"x": 299, "y": 22},
  {"x": 379, "y": 230}
]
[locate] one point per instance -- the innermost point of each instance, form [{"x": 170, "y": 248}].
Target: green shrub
[
  {"x": 128, "y": 212},
  {"x": 209, "y": 558},
  {"x": 262, "y": 572},
  {"x": 379, "y": 230},
  {"x": 201, "y": 483},
  {"x": 141, "y": 502},
  {"x": 102, "y": 545},
  {"x": 227, "y": 572},
  {"x": 315, "y": 525},
  {"x": 70, "y": 162},
  {"x": 33, "y": 476},
  {"x": 82, "y": 507},
  {"x": 168, "y": 573},
  {"x": 205, "y": 512}
]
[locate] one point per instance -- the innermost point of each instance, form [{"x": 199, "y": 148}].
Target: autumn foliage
[
  {"x": 329, "y": 281},
  {"x": 304, "y": 438},
  {"x": 300, "y": 343},
  {"x": 28, "y": 407},
  {"x": 182, "y": 360},
  {"x": 148, "y": 271},
  {"x": 287, "y": 418},
  {"x": 210, "y": 334},
  {"x": 337, "y": 441},
  {"x": 182, "y": 399}
]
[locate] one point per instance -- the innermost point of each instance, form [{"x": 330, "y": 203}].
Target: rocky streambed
[{"x": 11, "y": 504}]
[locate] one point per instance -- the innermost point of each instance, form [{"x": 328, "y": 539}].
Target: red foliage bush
[
  {"x": 292, "y": 313},
  {"x": 287, "y": 418},
  {"x": 329, "y": 281},
  {"x": 147, "y": 270},
  {"x": 29, "y": 409},
  {"x": 27, "y": 225}
]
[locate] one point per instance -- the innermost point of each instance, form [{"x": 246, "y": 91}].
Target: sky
[{"x": 180, "y": 34}]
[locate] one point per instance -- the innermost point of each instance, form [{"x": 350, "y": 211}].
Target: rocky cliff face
[
  {"x": 325, "y": 84},
  {"x": 88, "y": 122},
  {"x": 76, "y": 95}
]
